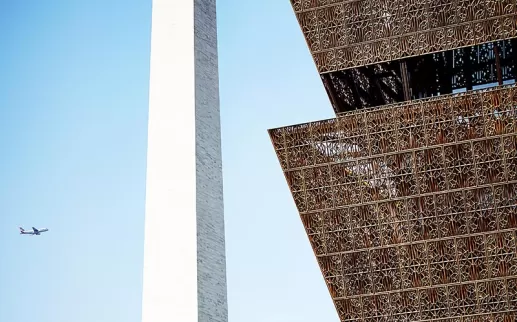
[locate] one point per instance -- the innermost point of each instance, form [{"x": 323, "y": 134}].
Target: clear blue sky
[{"x": 73, "y": 130}]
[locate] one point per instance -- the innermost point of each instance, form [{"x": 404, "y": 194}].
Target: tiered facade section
[
  {"x": 409, "y": 196},
  {"x": 411, "y": 209},
  {"x": 343, "y": 34}
]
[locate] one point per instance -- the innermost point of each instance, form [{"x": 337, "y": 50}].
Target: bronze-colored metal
[
  {"x": 344, "y": 34},
  {"x": 404, "y": 76},
  {"x": 411, "y": 208}
]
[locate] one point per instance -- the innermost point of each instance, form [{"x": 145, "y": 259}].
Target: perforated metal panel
[
  {"x": 343, "y": 34},
  {"x": 411, "y": 208}
]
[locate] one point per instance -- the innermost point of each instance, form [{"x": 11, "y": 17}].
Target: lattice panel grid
[
  {"x": 346, "y": 34},
  {"x": 411, "y": 209}
]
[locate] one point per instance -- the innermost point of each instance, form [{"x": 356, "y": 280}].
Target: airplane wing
[{"x": 35, "y": 230}]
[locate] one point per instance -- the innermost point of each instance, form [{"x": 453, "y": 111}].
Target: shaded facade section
[
  {"x": 448, "y": 72},
  {"x": 411, "y": 208}
]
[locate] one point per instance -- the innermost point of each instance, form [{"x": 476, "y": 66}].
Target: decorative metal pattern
[
  {"x": 411, "y": 209},
  {"x": 344, "y": 34}
]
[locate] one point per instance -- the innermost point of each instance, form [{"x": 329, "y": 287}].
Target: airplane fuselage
[{"x": 34, "y": 231}]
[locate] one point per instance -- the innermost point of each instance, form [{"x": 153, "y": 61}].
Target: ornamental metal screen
[
  {"x": 411, "y": 208},
  {"x": 344, "y": 34}
]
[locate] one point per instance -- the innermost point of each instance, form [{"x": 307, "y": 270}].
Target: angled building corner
[{"x": 409, "y": 195}]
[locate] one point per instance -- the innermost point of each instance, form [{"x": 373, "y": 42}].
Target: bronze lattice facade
[
  {"x": 409, "y": 195},
  {"x": 352, "y": 33}
]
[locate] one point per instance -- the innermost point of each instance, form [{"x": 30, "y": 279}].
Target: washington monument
[{"x": 184, "y": 251}]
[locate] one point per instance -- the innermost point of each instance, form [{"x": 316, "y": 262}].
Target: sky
[{"x": 73, "y": 135}]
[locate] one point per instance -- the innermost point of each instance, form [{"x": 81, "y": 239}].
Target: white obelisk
[{"x": 184, "y": 251}]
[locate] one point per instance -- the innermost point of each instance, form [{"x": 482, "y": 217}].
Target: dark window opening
[{"x": 453, "y": 71}]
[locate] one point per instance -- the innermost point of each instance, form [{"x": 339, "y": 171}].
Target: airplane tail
[{"x": 21, "y": 230}]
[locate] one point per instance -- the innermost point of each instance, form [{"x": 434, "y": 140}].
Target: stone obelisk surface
[{"x": 184, "y": 251}]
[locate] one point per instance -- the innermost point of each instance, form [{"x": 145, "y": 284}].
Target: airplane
[{"x": 33, "y": 232}]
